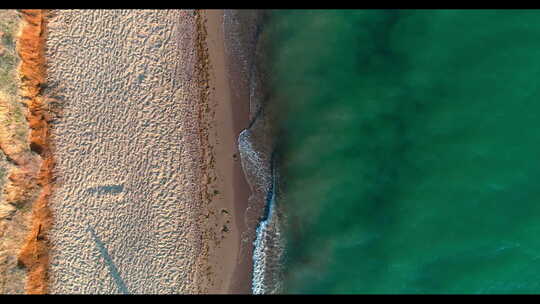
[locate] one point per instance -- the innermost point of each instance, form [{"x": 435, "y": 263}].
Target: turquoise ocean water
[{"x": 409, "y": 146}]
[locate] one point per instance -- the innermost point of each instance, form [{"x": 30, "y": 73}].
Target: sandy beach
[
  {"x": 125, "y": 176},
  {"x": 149, "y": 194}
]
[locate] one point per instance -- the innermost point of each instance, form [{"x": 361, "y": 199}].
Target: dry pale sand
[{"x": 148, "y": 193}]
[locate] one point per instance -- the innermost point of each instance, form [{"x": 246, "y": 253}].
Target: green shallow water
[{"x": 410, "y": 145}]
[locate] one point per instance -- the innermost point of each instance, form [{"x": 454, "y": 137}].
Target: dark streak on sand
[
  {"x": 112, "y": 268},
  {"x": 108, "y": 189}
]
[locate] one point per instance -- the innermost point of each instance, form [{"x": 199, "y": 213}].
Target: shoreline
[
  {"x": 257, "y": 147},
  {"x": 231, "y": 117}
]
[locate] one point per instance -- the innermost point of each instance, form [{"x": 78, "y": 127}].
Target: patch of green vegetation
[
  {"x": 9, "y": 22},
  {"x": 3, "y": 171},
  {"x": 8, "y": 56},
  {"x": 21, "y": 133},
  {"x": 2, "y": 174},
  {"x": 18, "y": 115}
]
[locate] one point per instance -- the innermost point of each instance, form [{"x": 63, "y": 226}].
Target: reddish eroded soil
[{"x": 35, "y": 173}]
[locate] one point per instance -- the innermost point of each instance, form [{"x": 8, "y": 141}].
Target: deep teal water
[{"x": 409, "y": 148}]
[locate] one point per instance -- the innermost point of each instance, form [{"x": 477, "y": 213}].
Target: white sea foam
[
  {"x": 255, "y": 146},
  {"x": 268, "y": 251}
]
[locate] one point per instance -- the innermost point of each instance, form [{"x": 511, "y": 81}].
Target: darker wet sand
[{"x": 233, "y": 256}]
